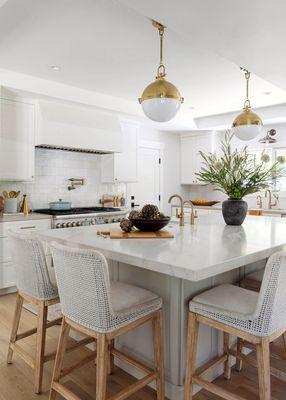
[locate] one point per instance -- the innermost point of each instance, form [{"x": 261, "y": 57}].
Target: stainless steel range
[{"x": 83, "y": 216}]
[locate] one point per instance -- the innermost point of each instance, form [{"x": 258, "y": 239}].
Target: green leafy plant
[{"x": 235, "y": 172}]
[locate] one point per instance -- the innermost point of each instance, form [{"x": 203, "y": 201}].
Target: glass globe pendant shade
[
  {"x": 161, "y": 109},
  {"x": 247, "y": 132},
  {"x": 161, "y": 100},
  {"x": 247, "y": 125}
]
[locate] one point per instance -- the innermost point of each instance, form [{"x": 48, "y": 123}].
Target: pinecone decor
[
  {"x": 134, "y": 215},
  {"x": 150, "y": 211},
  {"x": 126, "y": 225}
]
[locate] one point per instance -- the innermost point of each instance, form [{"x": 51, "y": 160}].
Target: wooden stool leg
[
  {"x": 158, "y": 341},
  {"x": 40, "y": 349},
  {"x": 110, "y": 357},
  {"x": 238, "y": 365},
  {"x": 192, "y": 341},
  {"x": 226, "y": 345},
  {"x": 62, "y": 344},
  {"x": 15, "y": 326},
  {"x": 101, "y": 366},
  {"x": 263, "y": 361}
]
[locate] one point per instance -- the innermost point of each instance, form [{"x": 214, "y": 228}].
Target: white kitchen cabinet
[
  {"x": 17, "y": 140},
  {"x": 122, "y": 167},
  {"x": 7, "y": 271},
  {"x": 191, "y": 160}
]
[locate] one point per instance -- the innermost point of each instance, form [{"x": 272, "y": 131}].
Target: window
[
  {"x": 270, "y": 156},
  {"x": 280, "y": 155}
]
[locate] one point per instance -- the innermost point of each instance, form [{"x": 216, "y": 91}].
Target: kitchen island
[{"x": 197, "y": 258}]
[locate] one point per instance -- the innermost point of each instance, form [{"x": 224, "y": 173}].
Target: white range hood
[{"x": 75, "y": 127}]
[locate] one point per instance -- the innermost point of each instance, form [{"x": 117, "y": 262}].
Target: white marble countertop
[
  {"x": 197, "y": 251},
  {"x": 218, "y": 206},
  {"x": 22, "y": 217}
]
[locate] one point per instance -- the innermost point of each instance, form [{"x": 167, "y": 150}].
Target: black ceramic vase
[{"x": 234, "y": 211}]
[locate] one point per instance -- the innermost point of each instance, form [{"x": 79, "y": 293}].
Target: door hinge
[
  {"x": 159, "y": 160},
  {"x": 159, "y": 197}
]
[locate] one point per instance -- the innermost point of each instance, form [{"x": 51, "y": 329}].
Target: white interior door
[{"x": 147, "y": 189}]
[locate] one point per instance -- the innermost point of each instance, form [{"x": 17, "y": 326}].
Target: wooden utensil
[
  {"x": 12, "y": 194},
  {"x": 5, "y": 194},
  {"x": 17, "y": 194},
  {"x": 1, "y": 203}
]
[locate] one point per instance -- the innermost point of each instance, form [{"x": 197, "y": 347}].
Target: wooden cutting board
[{"x": 116, "y": 233}]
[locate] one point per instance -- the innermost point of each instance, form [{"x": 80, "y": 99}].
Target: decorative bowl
[
  {"x": 204, "y": 203},
  {"x": 150, "y": 225}
]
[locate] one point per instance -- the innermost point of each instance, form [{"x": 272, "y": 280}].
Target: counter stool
[
  {"x": 255, "y": 318},
  {"x": 253, "y": 281},
  {"x": 34, "y": 286},
  {"x": 102, "y": 309}
]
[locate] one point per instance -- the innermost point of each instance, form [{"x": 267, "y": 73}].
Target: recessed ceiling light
[
  {"x": 267, "y": 93},
  {"x": 55, "y": 67}
]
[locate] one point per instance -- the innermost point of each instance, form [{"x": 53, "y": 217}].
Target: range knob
[
  {"x": 58, "y": 226},
  {"x": 106, "y": 220},
  {"x": 73, "y": 224},
  {"x": 69, "y": 224},
  {"x": 64, "y": 225},
  {"x": 78, "y": 223}
]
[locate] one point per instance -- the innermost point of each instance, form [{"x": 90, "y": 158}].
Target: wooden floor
[{"x": 16, "y": 380}]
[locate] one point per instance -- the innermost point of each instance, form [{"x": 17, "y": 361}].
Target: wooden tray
[{"x": 116, "y": 233}]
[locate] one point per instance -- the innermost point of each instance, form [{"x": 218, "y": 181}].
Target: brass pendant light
[
  {"x": 161, "y": 100},
  {"x": 247, "y": 125}
]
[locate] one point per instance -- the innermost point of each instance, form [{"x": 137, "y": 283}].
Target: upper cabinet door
[
  {"x": 188, "y": 159},
  {"x": 122, "y": 167},
  {"x": 17, "y": 140},
  {"x": 191, "y": 160}
]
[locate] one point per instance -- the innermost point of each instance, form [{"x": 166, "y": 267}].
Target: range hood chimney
[{"x": 77, "y": 128}]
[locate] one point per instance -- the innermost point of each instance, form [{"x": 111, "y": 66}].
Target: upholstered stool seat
[
  {"x": 227, "y": 303},
  {"x": 103, "y": 310},
  {"x": 129, "y": 300},
  {"x": 256, "y": 318}
]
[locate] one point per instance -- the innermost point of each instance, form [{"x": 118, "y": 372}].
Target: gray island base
[{"x": 199, "y": 257}]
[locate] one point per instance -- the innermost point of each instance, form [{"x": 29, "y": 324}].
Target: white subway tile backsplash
[{"x": 53, "y": 168}]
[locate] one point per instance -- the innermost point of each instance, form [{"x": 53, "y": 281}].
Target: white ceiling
[{"x": 110, "y": 48}]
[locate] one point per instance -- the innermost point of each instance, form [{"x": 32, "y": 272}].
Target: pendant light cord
[
  {"x": 161, "y": 71},
  {"x": 247, "y": 77}
]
